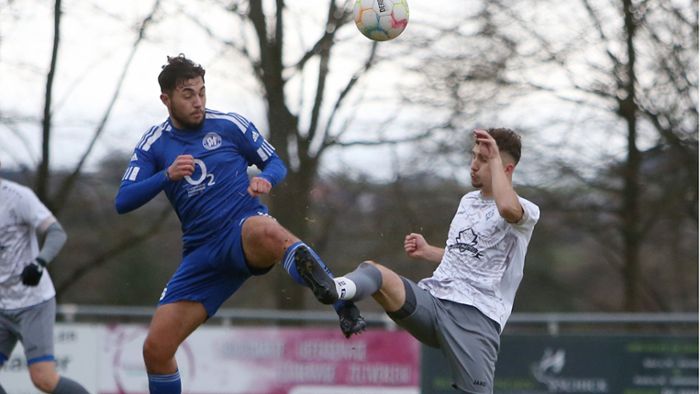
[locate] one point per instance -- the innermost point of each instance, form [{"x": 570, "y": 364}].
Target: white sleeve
[
  {"x": 34, "y": 212},
  {"x": 531, "y": 214}
]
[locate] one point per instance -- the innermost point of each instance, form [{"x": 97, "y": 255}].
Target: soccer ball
[{"x": 381, "y": 20}]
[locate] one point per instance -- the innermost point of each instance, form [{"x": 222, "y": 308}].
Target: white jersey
[
  {"x": 484, "y": 257},
  {"x": 21, "y": 214}
]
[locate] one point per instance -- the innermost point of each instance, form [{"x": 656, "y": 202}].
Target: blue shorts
[{"x": 210, "y": 273}]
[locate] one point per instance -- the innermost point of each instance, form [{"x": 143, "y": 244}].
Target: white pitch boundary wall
[{"x": 107, "y": 359}]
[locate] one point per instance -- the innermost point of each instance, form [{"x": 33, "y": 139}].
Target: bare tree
[
  {"x": 43, "y": 170},
  {"x": 44, "y": 175},
  {"x": 634, "y": 63},
  {"x": 302, "y": 134}
]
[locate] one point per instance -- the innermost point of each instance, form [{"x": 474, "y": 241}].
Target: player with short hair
[
  {"x": 464, "y": 306},
  {"x": 27, "y": 295},
  {"x": 199, "y": 158}
]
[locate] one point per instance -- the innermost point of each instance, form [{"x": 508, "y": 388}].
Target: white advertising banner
[
  {"x": 224, "y": 360},
  {"x": 75, "y": 348}
]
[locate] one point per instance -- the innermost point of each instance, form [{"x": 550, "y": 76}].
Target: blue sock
[
  {"x": 164, "y": 384},
  {"x": 291, "y": 268}
]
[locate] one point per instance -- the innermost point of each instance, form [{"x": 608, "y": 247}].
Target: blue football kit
[{"x": 212, "y": 203}]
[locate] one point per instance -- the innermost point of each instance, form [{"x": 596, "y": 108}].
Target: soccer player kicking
[
  {"x": 199, "y": 157},
  {"x": 464, "y": 306}
]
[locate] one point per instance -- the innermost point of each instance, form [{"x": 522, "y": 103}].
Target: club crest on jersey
[
  {"x": 211, "y": 141},
  {"x": 467, "y": 241}
]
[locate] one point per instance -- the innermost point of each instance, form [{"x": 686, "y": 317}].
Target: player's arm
[
  {"x": 506, "y": 198},
  {"x": 273, "y": 171},
  {"x": 141, "y": 182},
  {"x": 46, "y": 225},
  {"x": 54, "y": 239},
  {"x": 417, "y": 247},
  {"x": 260, "y": 153}
]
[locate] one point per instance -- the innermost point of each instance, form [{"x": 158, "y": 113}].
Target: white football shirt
[
  {"x": 484, "y": 257},
  {"x": 21, "y": 214}
]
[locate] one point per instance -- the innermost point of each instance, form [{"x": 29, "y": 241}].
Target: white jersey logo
[
  {"x": 198, "y": 184},
  {"x": 211, "y": 141},
  {"x": 202, "y": 176}
]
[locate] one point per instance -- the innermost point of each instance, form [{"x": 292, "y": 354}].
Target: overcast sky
[
  {"x": 96, "y": 39},
  {"x": 97, "y": 36}
]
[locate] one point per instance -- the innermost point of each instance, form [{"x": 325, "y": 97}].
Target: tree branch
[
  {"x": 67, "y": 185},
  {"x": 124, "y": 245},
  {"x": 348, "y": 87},
  {"x": 43, "y": 173}
]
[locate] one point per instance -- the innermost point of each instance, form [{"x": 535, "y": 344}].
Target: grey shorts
[
  {"x": 468, "y": 339},
  {"x": 33, "y": 326}
]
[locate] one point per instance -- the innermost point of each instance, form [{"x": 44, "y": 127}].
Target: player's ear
[
  {"x": 165, "y": 99},
  {"x": 508, "y": 162}
]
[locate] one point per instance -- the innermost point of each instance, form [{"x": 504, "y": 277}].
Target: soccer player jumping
[
  {"x": 199, "y": 157},
  {"x": 464, "y": 306}
]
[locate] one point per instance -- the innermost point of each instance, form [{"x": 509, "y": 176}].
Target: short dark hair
[
  {"x": 178, "y": 70},
  {"x": 507, "y": 141}
]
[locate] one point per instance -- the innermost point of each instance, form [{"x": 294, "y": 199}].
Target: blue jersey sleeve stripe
[
  {"x": 263, "y": 155},
  {"x": 268, "y": 148},
  {"x": 134, "y": 173},
  {"x": 151, "y": 136},
  {"x": 152, "y": 139},
  {"x": 145, "y": 136},
  {"x": 243, "y": 120},
  {"x": 237, "y": 120}
]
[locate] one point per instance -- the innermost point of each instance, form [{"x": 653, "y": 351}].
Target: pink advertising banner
[{"x": 271, "y": 360}]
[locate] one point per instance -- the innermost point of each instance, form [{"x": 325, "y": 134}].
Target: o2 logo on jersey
[
  {"x": 211, "y": 141},
  {"x": 202, "y": 180}
]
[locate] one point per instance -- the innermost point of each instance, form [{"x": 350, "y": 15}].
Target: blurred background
[{"x": 377, "y": 136}]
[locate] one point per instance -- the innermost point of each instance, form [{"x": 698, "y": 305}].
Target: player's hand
[
  {"x": 32, "y": 273},
  {"x": 487, "y": 145},
  {"x": 259, "y": 186},
  {"x": 415, "y": 244},
  {"x": 182, "y": 166}
]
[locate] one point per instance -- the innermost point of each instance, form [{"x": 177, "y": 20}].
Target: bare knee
[
  {"x": 276, "y": 237},
  {"x": 265, "y": 241},
  {"x": 156, "y": 354},
  {"x": 44, "y": 378}
]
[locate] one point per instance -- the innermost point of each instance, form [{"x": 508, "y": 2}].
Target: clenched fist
[
  {"x": 182, "y": 166},
  {"x": 259, "y": 186},
  {"x": 31, "y": 275}
]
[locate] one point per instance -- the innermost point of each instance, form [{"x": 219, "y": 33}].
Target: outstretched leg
[
  {"x": 301, "y": 264},
  {"x": 266, "y": 242},
  {"x": 369, "y": 278},
  {"x": 315, "y": 274}
]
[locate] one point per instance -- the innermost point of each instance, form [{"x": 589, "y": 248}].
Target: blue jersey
[{"x": 223, "y": 148}]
